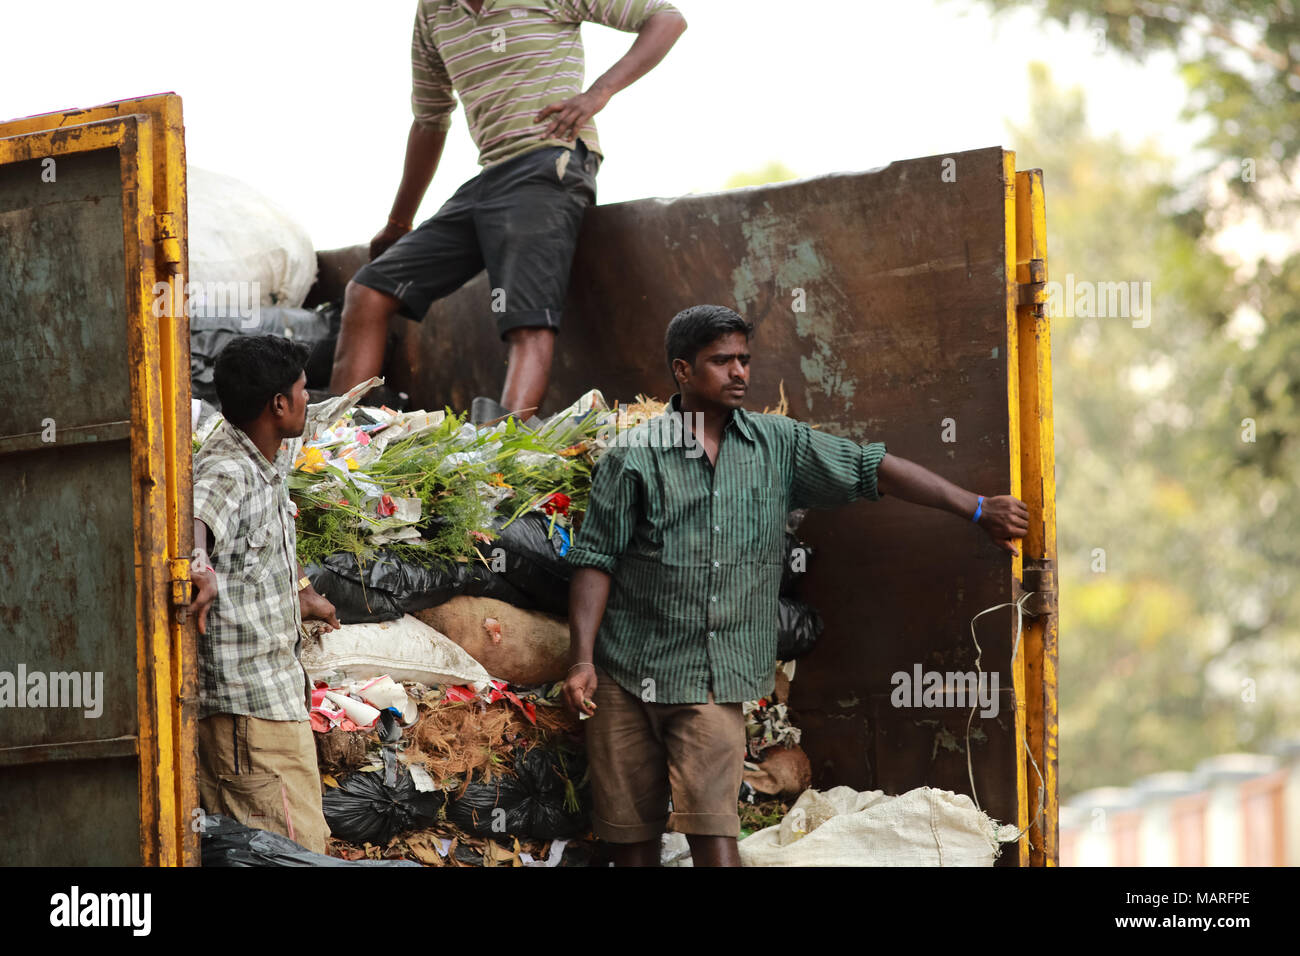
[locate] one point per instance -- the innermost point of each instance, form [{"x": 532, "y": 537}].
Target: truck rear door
[{"x": 96, "y": 672}]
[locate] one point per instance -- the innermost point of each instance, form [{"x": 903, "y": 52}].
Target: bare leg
[
  {"x": 529, "y": 369},
  {"x": 645, "y": 853},
  {"x": 713, "y": 850},
  {"x": 362, "y": 336}
]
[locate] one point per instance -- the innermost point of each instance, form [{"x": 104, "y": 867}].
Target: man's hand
[
  {"x": 385, "y": 238},
  {"x": 572, "y": 115},
  {"x": 206, "y": 579},
  {"x": 315, "y": 607},
  {"x": 579, "y": 687},
  {"x": 1005, "y": 517}
]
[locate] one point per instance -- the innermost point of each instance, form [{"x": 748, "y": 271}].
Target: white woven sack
[
  {"x": 238, "y": 235},
  {"x": 842, "y": 827},
  {"x": 405, "y": 649}
]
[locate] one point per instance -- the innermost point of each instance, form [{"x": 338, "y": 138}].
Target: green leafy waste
[{"x": 463, "y": 477}]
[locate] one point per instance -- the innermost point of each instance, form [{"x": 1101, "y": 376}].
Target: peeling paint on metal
[{"x": 774, "y": 261}]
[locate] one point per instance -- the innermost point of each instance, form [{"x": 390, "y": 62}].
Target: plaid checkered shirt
[{"x": 248, "y": 660}]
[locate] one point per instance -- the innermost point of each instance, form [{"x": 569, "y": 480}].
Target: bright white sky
[{"x": 309, "y": 101}]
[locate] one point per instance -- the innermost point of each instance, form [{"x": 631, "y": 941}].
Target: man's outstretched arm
[
  {"x": 655, "y": 38},
  {"x": 1004, "y": 517}
]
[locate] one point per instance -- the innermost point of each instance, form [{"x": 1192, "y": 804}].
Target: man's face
[
  {"x": 291, "y": 409},
  {"x": 720, "y": 375}
]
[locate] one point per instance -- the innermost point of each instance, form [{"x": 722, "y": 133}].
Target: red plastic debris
[{"x": 557, "y": 502}]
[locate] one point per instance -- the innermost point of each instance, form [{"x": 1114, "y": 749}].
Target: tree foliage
[{"x": 1177, "y": 539}]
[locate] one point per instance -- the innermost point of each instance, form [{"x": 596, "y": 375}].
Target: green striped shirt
[
  {"x": 696, "y": 549},
  {"x": 508, "y": 62}
]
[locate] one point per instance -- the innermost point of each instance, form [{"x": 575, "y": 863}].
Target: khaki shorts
[
  {"x": 263, "y": 774},
  {"x": 641, "y": 753}
]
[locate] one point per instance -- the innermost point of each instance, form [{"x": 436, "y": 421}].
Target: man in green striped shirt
[
  {"x": 673, "y": 608},
  {"x": 517, "y": 66}
]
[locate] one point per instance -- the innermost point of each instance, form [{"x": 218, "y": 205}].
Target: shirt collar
[
  {"x": 738, "y": 419},
  {"x": 239, "y": 439}
]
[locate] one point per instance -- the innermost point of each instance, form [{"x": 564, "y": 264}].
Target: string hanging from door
[{"x": 1015, "y": 649}]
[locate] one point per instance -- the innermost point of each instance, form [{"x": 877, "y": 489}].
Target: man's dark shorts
[{"x": 519, "y": 219}]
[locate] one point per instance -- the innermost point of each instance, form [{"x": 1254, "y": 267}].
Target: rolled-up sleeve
[
  {"x": 627, "y": 15},
  {"x": 432, "y": 97},
  {"x": 828, "y": 471},
  {"x": 611, "y": 515},
  {"x": 218, "y": 490}
]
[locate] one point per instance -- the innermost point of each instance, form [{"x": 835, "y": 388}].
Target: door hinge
[
  {"x": 168, "y": 235},
  {"x": 1038, "y": 578},
  {"x": 182, "y": 585},
  {"x": 1034, "y": 292}
]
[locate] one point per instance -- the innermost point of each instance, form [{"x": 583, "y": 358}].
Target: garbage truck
[{"x": 902, "y": 304}]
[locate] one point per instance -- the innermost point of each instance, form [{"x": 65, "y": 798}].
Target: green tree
[
  {"x": 1169, "y": 596},
  {"x": 1240, "y": 60},
  {"x": 772, "y": 172}
]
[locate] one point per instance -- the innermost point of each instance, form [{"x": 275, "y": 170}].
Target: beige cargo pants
[{"x": 263, "y": 773}]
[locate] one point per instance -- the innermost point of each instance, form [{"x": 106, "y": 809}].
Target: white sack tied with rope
[{"x": 844, "y": 827}]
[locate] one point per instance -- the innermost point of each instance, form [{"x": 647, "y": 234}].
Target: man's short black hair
[
  {"x": 692, "y": 329},
  {"x": 253, "y": 369}
]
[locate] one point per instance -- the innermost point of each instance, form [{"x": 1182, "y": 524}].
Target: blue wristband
[{"x": 978, "y": 508}]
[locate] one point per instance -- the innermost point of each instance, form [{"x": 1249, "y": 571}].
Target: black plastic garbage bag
[
  {"x": 798, "y": 628},
  {"x": 389, "y": 586},
  {"x": 365, "y": 809},
  {"x": 529, "y": 804},
  {"x": 534, "y": 564},
  {"x": 226, "y": 842},
  {"x": 320, "y": 363},
  {"x": 211, "y": 331},
  {"x": 797, "y": 557}
]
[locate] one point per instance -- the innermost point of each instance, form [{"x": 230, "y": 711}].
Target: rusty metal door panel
[
  {"x": 888, "y": 304},
  {"x": 85, "y": 492}
]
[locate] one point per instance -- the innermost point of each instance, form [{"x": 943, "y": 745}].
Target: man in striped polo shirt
[
  {"x": 673, "y": 608},
  {"x": 518, "y": 68}
]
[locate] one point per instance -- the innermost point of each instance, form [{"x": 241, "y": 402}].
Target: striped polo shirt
[
  {"x": 696, "y": 549},
  {"x": 508, "y": 62}
]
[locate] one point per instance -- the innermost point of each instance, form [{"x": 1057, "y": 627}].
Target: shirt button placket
[
  {"x": 717, "y": 566},
  {"x": 714, "y": 548}
]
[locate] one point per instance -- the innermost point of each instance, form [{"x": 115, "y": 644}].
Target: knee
[
  {"x": 360, "y": 302},
  {"x": 531, "y": 338}
]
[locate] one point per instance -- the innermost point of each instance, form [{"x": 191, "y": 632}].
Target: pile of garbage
[{"x": 441, "y": 736}]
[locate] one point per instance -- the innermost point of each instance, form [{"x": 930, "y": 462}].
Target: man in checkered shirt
[{"x": 257, "y": 758}]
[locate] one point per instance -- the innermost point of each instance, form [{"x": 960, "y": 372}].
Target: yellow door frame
[
  {"x": 148, "y": 134},
  {"x": 1033, "y": 479}
]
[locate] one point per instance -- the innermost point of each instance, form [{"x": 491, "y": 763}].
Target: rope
[{"x": 1015, "y": 650}]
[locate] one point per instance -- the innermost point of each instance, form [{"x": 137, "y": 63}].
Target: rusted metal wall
[
  {"x": 881, "y": 302},
  {"x": 94, "y": 486},
  {"x": 67, "y": 586}
]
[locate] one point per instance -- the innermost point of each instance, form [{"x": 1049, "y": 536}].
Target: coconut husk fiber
[
  {"x": 341, "y": 751},
  {"x": 466, "y": 739},
  {"x": 518, "y": 646}
]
